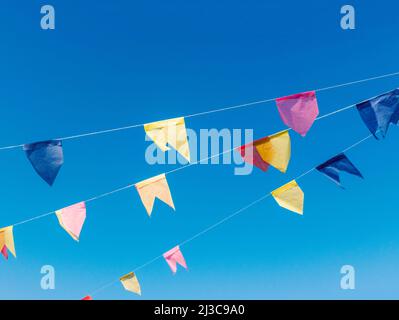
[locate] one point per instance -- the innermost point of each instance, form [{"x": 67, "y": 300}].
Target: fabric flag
[
  {"x": 46, "y": 158},
  {"x": 170, "y": 132},
  {"x": 379, "y": 112},
  {"x": 335, "y": 165},
  {"x": 156, "y": 187},
  {"x": 7, "y": 241},
  {"x": 72, "y": 219},
  {"x": 290, "y": 197},
  {"x": 87, "y": 298},
  {"x": 299, "y": 111},
  {"x": 174, "y": 257},
  {"x": 130, "y": 283},
  {"x": 274, "y": 150}
]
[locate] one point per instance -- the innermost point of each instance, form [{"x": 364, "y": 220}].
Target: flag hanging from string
[
  {"x": 274, "y": 150},
  {"x": 174, "y": 257},
  {"x": 379, "y": 112},
  {"x": 72, "y": 219},
  {"x": 290, "y": 196},
  {"x": 299, "y": 111},
  {"x": 332, "y": 168},
  {"x": 170, "y": 132},
  {"x": 46, "y": 158},
  {"x": 156, "y": 187},
  {"x": 7, "y": 242},
  {"x": 131, "y": 283}
]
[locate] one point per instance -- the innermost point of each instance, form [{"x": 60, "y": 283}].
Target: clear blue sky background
[{"x": 115, "y": 63}]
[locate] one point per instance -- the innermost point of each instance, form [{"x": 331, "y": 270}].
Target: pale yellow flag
[
  {"x": 156, "y": 187},
  {"x": 275, "y": 150},
  {"x": 290, "y": 196},
  {"x": 130, "y": 283},
  {"x": 7, "y": 239},
  {"x": 170, "y": 132}
]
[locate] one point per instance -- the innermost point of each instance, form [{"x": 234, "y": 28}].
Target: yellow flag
[
  {"x": 275, "y": 150},
  {"x": 170, "y": 132},
  {"x": 130, "y": 283},
  {"x": 290, "y": 197},
  {"x": 156, "y": 187},
  {"x": 7, "y": 240}
]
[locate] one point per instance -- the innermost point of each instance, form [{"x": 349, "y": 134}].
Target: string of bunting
[{"x": 298, "y": 112}]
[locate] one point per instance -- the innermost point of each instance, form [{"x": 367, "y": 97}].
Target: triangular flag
[
  {"x": 335, "y": 165},
  {"x": 156, "y": 187},
  {"x": 87, "y": 298},
  {"x": 174, "y": 257},
  {"x": 379, "y": 112},
  {"x": 170, "y": 132},
  {"x": 130, "y": 283},
  {"x": 46, "y": 158},
  {"x": 299, "y": 111},
  {"x": 72, "y": 219},
  {"x": 274, "y": 150},
  {"x": 290, "y": 197},
  {"x": 7, "y": 241}
]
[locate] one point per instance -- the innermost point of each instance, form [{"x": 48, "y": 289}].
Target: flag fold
[
  {"x": 290, "y": 196},
  {"x": 174, "y": 257},
  {"x": 72, "y": 219},
  {"x": 131, "y": 283}
]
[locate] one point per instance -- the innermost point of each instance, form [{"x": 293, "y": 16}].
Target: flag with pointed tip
[
  {"x": 170, "y": 132},
  {"x": 156, "y": 187},
  {"x": 72, "y": 219},
  {"x": 290, "y": 196},
  {"x": 87, "y": 298},
  {"x": 46, "y": 158},
  {"x": 174, "y": 257},
  {"x": 131, "y": 283},
  {"x": 7, "y": 241}
]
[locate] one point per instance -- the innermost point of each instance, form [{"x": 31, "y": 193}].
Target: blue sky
[{"x": 115, "y": 63}]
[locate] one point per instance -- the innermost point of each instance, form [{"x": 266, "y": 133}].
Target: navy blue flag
[
  {"x": 379, "y": 112},
  {"x": 46, "y": 158},
  {"x": 335, "y": 165}
]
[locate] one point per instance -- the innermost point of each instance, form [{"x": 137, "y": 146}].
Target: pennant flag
[
  {"x": 379, "y": 112},
  {"x": 130, "y": 283},
  {"x": 174, "y": 257},
  {"x": 72, "y": 219},
  {"x": 87, "y": 298},
  {"x": 7, "y": 241},
  {"x": 335, "y": 165},
  {"x": 156, "y": 187},
  {"x": 299, "y": 111},
  {"x": 290, "y": 197},
  {"x": 170, "y": 132},
  {"x": 46, "y": 158},
  {"x": 274, "y": 150}
]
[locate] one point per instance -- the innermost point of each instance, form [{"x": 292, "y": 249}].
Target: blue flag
[
  {"x": 46, "y": 158},
  {"x": 379, "y": 112},
  {"x": 335, "y": 165}
]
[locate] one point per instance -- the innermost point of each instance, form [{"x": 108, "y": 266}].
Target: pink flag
[
  {"x": 72, "y": 219},
  {"x": 251, "y": 155},
  {"x": 173, "y": 257},
  {"x": 4, "y": 252},
  {"x": 299, "y": 111}
]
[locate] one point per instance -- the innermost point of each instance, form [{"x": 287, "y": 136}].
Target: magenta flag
[
  {"x": 299, "y": 111},
  {"x": 174, "y": 257},
  {"x": 4, "y": 252},
  {"x": 251, "y": 155}
]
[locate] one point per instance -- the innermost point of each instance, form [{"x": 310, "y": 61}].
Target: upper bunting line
[
  {"x": 209, "y": 111},
  {"x": 167, "y": 173},
  {"x": 220, "y": 222}
]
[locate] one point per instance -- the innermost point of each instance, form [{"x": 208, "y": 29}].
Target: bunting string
[
  {"x": 222, "y": 221},
  {"x": 211, "y": 111}
]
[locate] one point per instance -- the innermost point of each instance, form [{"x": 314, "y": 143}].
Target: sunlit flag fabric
[
  {"x": 87, "y": 298},
  {"x": 174, "y": 257},
  {"x": 46, "y": 158},
  {"x": 170, "y": 132},
  {"x": 274, "y": 150},
  {"x": 7, "y": 241},
  {"x": 335, "y": 165},
  {"x": 131, "y": 283},
  {"x": 299, "y": 111},
  {"x": 379, "y": 112},
  {"x": 290, "y": 196},
  {"x": 72, "y": 219},
  {"x": 156, "y": 187}
]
